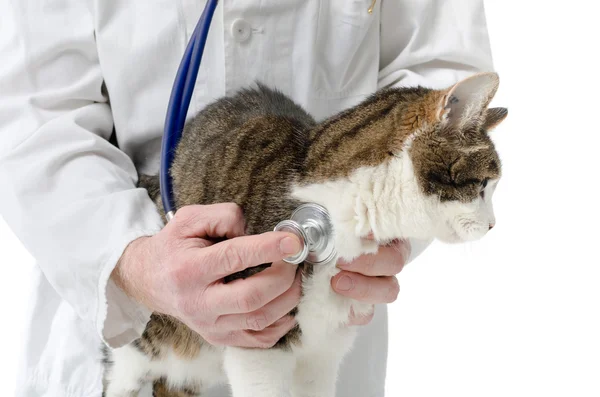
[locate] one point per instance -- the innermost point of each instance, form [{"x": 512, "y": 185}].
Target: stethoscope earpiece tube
[{"x": 179, "y": 103}]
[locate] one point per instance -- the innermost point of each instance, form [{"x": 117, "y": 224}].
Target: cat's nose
[{"x": 492, "y": 226}]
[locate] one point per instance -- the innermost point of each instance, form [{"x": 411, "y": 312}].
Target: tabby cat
[{"x": 404, "y": 163}]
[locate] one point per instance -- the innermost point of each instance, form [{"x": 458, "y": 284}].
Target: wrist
[{"x": 128, "y": 274}]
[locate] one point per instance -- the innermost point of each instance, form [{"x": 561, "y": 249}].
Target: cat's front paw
[{"x": 362, "y": 309}]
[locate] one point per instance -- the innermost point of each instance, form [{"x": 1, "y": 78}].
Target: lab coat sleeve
[
  {"x": 434, "y": 44},
  {"x": 66, "y": 192}
]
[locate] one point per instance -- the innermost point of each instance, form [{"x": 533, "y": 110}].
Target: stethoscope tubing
[
  {"x": 179, "y": 103},
  {"x": 308, "y": 216}
]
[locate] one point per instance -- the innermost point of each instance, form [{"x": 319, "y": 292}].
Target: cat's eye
[{"x": 483, "y": 185}]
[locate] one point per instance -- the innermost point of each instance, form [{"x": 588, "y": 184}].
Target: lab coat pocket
[{"x": 347, "y": 46}]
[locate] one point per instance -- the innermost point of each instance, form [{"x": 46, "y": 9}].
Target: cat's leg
[
  {"x": 161, "y": 389},
  {"x": 259, "y": 372},
  {"x": 351, "y": 243},
  {"x": 317, "y": 369},
  {"x": 315, "y": 376},
  {"x": 126, "y": 372}
]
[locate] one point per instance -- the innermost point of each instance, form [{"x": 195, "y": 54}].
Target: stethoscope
[{"x": 310, "y": 222}]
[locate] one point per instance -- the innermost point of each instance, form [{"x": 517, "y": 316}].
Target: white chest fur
[{"x": 385, "y": 200}]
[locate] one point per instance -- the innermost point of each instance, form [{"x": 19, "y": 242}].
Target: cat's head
[
  {"x": 454, "y": 160},
  {"x": 408, "y": 163}
]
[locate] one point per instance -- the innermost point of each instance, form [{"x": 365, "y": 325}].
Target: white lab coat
[{"x": 74, "y": 70}]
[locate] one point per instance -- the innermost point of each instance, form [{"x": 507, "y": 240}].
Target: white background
[{"x": 518, "y": 313}]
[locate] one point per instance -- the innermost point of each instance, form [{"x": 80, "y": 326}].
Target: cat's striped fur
[{"x": 402, "y": 164}]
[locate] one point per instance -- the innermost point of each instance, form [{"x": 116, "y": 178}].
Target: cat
[{"x": 405, "y": 163}]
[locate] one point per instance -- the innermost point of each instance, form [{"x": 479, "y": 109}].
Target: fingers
[
  {"x": 251, "y": 294},
  {"x": 367, "y": 289},
  {"x": 209, "y": 221},
  {"x": 388, "y": 261},
  {"x": 250, "y": 339},
  {"x": 232, "y": 256},
  {"x": 267, "y": 315}
]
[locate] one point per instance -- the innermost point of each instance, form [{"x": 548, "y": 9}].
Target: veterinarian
[{"x": 84, "y": 88}]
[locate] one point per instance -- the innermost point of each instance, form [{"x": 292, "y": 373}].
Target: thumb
[{"x": 235, "y": 255}]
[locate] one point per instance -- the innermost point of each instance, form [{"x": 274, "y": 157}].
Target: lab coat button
[{"x": 240, "y": 30}]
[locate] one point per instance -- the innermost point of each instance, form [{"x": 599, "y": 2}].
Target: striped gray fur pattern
[{"x": 253, "y": 147}]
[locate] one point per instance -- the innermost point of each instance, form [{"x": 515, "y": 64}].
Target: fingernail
[
  {"x": 344, "y": 283},
  {"x": 289, "y": 246}
]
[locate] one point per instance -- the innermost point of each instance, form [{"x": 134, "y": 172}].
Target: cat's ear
[
  {"x": 468, "y": 98},
  {"x": 493, "y": 117}
]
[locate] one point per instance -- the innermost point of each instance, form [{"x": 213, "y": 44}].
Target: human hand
[
  {"x": 372, "y": 278},
  {"x": 179, "y": 272}
]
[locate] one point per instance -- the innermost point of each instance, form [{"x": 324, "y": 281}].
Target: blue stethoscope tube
[
  {"x": 307, "y": 219},
  {"x": 179, "y": 103}
]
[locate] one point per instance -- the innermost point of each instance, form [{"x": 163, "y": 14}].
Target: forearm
[
  {"x": 77, "y": 235},
  {"x": 128, "y": 273},
  {"x": 67, "y": 193}
]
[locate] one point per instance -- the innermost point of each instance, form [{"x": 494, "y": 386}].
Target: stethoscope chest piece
[{"x": 311, "y": 223}]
